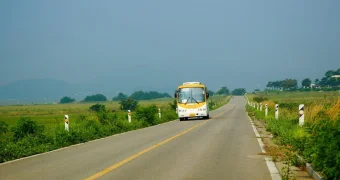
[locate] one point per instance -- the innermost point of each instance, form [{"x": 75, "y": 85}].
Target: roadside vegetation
[
  {"x": 317, "y": 141},
  {"x": 31, "y": 129}
]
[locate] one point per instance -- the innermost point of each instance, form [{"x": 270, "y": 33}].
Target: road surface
[{"x": 224, "y": 147}]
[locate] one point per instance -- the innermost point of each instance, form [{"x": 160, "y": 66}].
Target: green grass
[
  {"x": 42, "y": 129},
  {"x": 52, "y": 113},
  {"x": 299, "y": 97},
  {"x": 318, "y": 139}
]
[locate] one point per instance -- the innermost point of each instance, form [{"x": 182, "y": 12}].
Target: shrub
[
  {"x": 128, "y": 104},
  {"x": 147, "y": 114},
  {"x": 97, "y": 108},
  {"x": 3, "y": 127},
  {"x": 259, "y": 99},
  {"x": 26, "y": 127}
]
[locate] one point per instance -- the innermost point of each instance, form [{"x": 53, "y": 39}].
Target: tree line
[
  {"x": 142, "y": 95},
  {"x": 139, "y": 95},
  {"x": 330, "y": 80}
]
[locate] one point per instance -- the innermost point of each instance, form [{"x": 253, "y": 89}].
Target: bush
[
  {"x": 173, "y": 105},
  {"x": 27, "y": 127},
  {"x": 128, "y": 104},
  {"x": 3, "y": 127},
  {"x": 97, "y": 108},
  {"x": 326, "y": 148},
  {"x": 147, "y": 114},
  {"x": 259, "y": 99}
]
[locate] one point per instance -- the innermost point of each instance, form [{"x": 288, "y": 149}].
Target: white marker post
[
  {"x": 159, "y": 113},
  {"x": 266, "y": 111},
  {"x": 301, "y": 114},
  {"x": 276, "y": 111},
  {"x": 129, "y": 116},
  {"x": 257, "y": 106},
  {"x": 260, "y": 106},
  {"x": 66, "y": 122}
]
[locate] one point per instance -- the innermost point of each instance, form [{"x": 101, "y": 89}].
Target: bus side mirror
[
  {"x": 207, "y": 95},
  {"x": 175, "y": 95}
]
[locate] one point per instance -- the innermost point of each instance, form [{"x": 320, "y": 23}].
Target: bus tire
[{"x": 181, "y": 119}]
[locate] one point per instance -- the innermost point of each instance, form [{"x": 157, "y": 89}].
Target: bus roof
[{"x": 191, "y": 84}]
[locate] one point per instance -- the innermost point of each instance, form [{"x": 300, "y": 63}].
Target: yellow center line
[{"x": 115, "y": 166}]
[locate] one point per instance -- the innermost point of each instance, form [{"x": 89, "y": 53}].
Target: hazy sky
[{"x": 163, "y": 43}]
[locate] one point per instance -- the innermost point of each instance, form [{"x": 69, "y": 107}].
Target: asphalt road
[{"x": 224, "y": 147}]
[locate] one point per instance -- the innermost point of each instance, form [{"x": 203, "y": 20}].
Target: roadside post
[
  {"x": 301, "y": 114},
  {"x": 129, "y": 116},
  {"x": 66, "y": 122},
  {"x": 266, "y": 110},
  {"x": 260, "y": 106},
  {"x": 159, "y": 113},
  {"x": 276, "y": 111}
]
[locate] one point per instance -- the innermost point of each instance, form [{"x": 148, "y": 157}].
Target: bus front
[{"x": 192, "y": 102}]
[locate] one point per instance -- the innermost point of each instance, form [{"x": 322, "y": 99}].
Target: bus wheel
[{"x": 181, "y": 119}]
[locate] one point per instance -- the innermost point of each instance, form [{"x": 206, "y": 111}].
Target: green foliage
[
  {"x": 119, "y": 97},
  {"x": 325, "y": 151},
  {"x": 306, "y": 82},
  {"x": 128, "y": 104},
  {"x": 259, "y": 99},
  {"x": 66, "y": 99},
  {"x": 97, "y": 108},
  {"x": 141, "y": 95},
  {"x": 328, "y": 82},
  {"x": 3, "y": 127},
  {"x": 287, "y": 84},
  {"x": 95, "y": 98},
  {"x": 238, "y": 92},
  {"x": 211, "y": 93},
  {"x": 28, "y": 138},
  {"x": 319, "y": 143},
  {"x": 147, "y": 114},
  {"x": 223, "y": 91},
  {"x": 173, "y": 105},
  {"x": 26, "y": 127}
]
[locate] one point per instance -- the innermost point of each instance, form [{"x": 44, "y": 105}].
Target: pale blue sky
[{"x": 163, "y": 43}]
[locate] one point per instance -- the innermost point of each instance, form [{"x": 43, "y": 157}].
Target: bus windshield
[{"x": 191, "y": 95}]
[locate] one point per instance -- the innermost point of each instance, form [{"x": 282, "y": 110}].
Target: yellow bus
[{"x": 192, "y": 100}]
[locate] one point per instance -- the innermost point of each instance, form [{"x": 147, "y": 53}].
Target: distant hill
[
  {"x": 37, "y": 91},
  {"x": 52, "y": 90}
]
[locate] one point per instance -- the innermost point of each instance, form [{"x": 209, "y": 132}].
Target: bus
[{"x": 192, "y": 100}]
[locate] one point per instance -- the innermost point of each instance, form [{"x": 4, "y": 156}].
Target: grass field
[
  {"x": 49, "y": 114},
  {"x": 299, "y": 97},
  {"x": 318, "y": 140},
  {"x": 31, "y": 129}
]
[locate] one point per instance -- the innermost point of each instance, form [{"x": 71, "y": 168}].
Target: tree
[
  {"x": 128, "y": 104},
  {"x": 141, "y": 95},
  {"x": 306, "y": 82},
  {"x": 211, "y": 93},
  {"x": 95, "y": 98},
  {"x": 223, "y": 91},
  {"x": 238, "y": 92},
  {"x": 119, "y": 97},
  {"x": 66, "y": 99}
]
